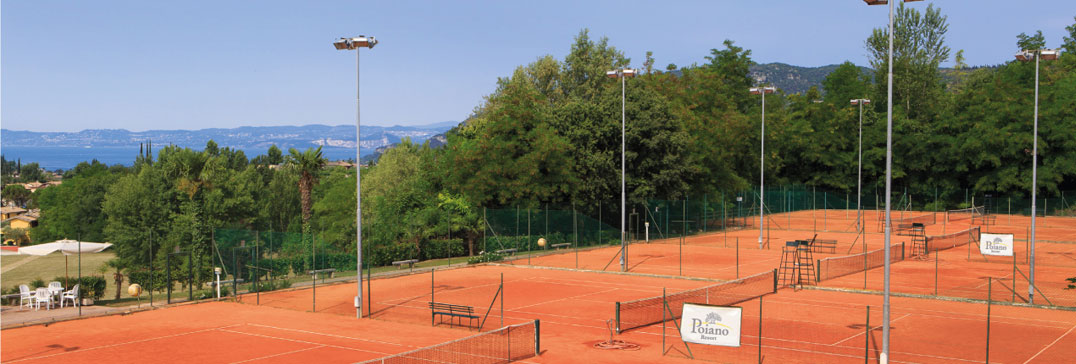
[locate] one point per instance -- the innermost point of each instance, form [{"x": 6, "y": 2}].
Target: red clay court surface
[
  {"x": 806, "y": 326},
  {"x": 216, "y": 332}
]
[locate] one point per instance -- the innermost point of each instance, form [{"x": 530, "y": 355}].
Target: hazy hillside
[
  {"x": 247, "y": 137},
  {"x": 794, "y": 79}
]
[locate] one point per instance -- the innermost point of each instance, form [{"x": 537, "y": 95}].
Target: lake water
[{"x": 53, "y": 158}]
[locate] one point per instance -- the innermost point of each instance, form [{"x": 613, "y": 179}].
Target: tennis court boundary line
[
  {"x": 646, "y": 275},
  {"x": 939, "y": 298}
]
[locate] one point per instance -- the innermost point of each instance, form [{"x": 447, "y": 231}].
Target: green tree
[
  {"x": 1031, "y": 42},
  {"x": 16, "y": 194},
  {"x": 586, "y": 64},
  {"x": 512, "y": 154},
  {"x": 918, "y": 50},
  {"x": 845, "y": 83}
]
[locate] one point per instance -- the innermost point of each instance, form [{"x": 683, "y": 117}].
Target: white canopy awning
[{"x": 67, "y": 247}]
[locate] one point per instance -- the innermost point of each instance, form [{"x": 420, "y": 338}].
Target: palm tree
[{"x": 309, "y": 164}]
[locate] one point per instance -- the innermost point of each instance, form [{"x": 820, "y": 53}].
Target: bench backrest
[{"x": 451, "y": 307}]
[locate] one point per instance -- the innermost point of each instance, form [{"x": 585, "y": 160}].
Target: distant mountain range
[
  {"x": 794, "y": 79},
  {"x": 253, "y": 139}
]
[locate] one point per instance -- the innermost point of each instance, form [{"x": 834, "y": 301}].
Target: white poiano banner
[
  {"x": 996, "y": 244},
  {"x": 711, "y": 325}
]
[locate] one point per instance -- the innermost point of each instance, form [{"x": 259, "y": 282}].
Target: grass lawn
[{"x": 51, "y": 266}]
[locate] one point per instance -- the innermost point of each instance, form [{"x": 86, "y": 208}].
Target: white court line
[
  {"x": 125, "y": 343},
  {"x": 868, "y": 330},
  {"x": 942, "y": 314},
  {"x": 1048, "y": 346},
  {"x": 565, "y": 298},
  {"x": 302, "y": 341},
  {"x": 280, "y": 354},
  {"x": 329, "y": 335},
  {"x": 405, "y": 299}
]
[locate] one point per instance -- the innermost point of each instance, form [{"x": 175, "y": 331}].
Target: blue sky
[{"x": 139, "y": 65}]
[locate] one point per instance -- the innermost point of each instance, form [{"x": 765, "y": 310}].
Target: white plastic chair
[
  {"x": 55, "y": 290},
  {"x": 42, "y": 295},
  {"x": 70, "y": 295},
  {"x": 26, "y": 296}
]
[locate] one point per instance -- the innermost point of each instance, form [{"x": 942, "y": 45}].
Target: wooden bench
[
  {"x": 987, "y": 220},
  {"x": 317, "y": 271},
  {"x": 509, "y": 251},
  {"x": 213, "y": 284},
  {"x": 824, "y": 246},
  {"x": 459, "y": 312},
  {"x": 410, "y": 263},
  {"x": 561, "y": 245}
]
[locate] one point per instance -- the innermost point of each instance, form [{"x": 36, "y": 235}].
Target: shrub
[
  {"x": 37, "y": 283},
  {"x": 443, "y": 248},
  {"x": 89, "y": 286},
  {"x": 485, "y": 257}
]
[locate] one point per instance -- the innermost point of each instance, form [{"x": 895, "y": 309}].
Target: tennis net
[
  {"x": 504, "y": 345},
  {"x": 942, "y": 242},
  {"x": 963, "y": 214},
  {"x": 649, "y": 311},
  {"x": 834, "y": 267}
]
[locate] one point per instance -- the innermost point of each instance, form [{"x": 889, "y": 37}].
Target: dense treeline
[{"x": 551, "y": 134}]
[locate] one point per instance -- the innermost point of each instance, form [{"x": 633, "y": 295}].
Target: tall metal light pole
[
  {"x": 355, "y": 43},
  {"x": 1025, "y": 56},
  {"x": 623, "y": 74},
  {"x": 859, "y": 185},
  {"x": 762, "y": 159},
  {"x": 884, "y": 356}
]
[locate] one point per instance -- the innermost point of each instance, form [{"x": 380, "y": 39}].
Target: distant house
[
  {"x": 24, "y": 221},
  {"x": 17, "y": 218},
  {"x": 34, "y": 186},
  {"x": 8, "y": 212},
  {"x": 345, "y": 164}
]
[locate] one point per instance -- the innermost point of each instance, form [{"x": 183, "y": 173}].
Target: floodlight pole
[
  {"x": 763, "y": 90},
  {"x": 859, "y": 186},
  {"x": 762, "y": 171},
  {"x": 884, "y": 357},
  {"x": 355, "y": 44},
  {"x": 1034, "y": 188},
  {"x": 622, "y": 74},
  {"x": 623, "y": 173},
  {"x": 1025, "y": 55}
]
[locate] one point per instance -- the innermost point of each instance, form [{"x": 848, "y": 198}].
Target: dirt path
[{"x": 11, "y": 266}]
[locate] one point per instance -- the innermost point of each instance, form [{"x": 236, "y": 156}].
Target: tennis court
[
  {"x": 217, "y": 332},
  {"x": 575, "y": 309}
]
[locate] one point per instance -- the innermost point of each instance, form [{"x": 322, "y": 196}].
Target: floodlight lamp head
[
  {"x": 1049, "y": 54},
  {"x": 355, "y": 43},
  {"x": 761, "y": 90},
  {"x": 884, "y": 2},
  {"x": 623, "y": 72}
]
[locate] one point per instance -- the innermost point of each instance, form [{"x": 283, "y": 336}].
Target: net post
[
  {"x": 369, "y": 292},
  {"x": 537, "y": 337},
  {"x": 902, "y": 251},
  {"x": 989, "y": 301},
  {"x": 775, "y": 280},
  {"x": 663, "y": 305},
  {"x": 936, "y": 254},
  {"x": 618, "y": 317},
  {"x": 817, "y": 271},
  {"x": 760, "y": 328},
  {"x": 867, "y": 338}
]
